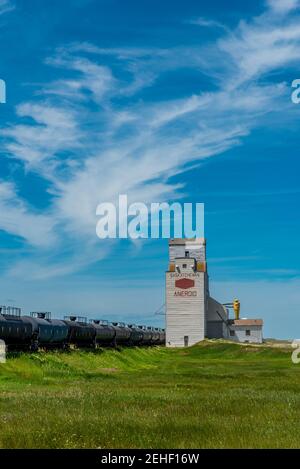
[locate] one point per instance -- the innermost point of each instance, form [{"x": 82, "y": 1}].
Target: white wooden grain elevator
[
  {"x": 191, "y": 313},
  {"x": 186, "y": 292}
]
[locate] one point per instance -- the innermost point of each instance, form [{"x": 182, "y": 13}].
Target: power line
[{"x": 159, "y": 312}]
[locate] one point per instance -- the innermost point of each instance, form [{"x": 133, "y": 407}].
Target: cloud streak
[
  {"x": 91, "y": 136},
  {"x": 6, "y": 6}
]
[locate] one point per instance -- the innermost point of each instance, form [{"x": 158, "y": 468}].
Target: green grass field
[{"x": 215, "y": 395}]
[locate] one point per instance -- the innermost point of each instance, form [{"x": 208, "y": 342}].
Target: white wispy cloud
[
  {"x": 283, "y": 6},
  {"x": 120, "y": 144},
  {"x": 6, "y": 6},
  {"x": 19, "y": 218},
  {"x": 260, "y": 47},
  {"x": 94, "y": 78},
  {"x": 208, "y": 23},
  {"x": 54, "y": 129}
]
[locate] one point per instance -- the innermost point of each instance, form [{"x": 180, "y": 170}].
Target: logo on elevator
[{"x": 184, "y": 283}]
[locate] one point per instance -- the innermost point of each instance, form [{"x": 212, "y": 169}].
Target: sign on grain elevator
[{"x": 186, "y": 292}]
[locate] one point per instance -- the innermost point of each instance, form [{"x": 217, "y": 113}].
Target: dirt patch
[{"x": 109, "y": 370}]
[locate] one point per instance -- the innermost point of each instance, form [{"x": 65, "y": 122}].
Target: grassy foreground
[{"x": 214, "y": 395}]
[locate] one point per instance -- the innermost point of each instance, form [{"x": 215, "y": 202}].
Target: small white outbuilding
[{"x": 245, "y": 330}]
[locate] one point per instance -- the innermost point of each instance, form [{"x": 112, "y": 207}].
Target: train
[{"x": 38, "y": 331}]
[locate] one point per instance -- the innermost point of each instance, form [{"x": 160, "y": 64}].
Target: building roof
[
  {"x": 179, "y": 241},
  {"x": 247, "y": 322}
]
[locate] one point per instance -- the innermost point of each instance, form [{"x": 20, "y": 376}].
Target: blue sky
[{"x": 164, "y": 101}]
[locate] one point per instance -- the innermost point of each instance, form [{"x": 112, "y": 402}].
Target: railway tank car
[
  {"x": 137, "y": 335},
  {"x": 155, "y": 336},
  {"x": 80, "y": 333},
  {"x": 38, "y": 330},
  {"x": 162, "y": 336},
  {"x": 47, "y": 332},
  {"x": 104, "y": 333},
  {"x": 123, "y": 333},
  {"x": 147, "y": 335},
  {"x": 16, "y": 331}
]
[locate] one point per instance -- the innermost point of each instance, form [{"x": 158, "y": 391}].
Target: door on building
[{"x": 186, "y": 340}]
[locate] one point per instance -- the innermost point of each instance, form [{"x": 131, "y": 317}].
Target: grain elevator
[{"x": 191, "y": 313}]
